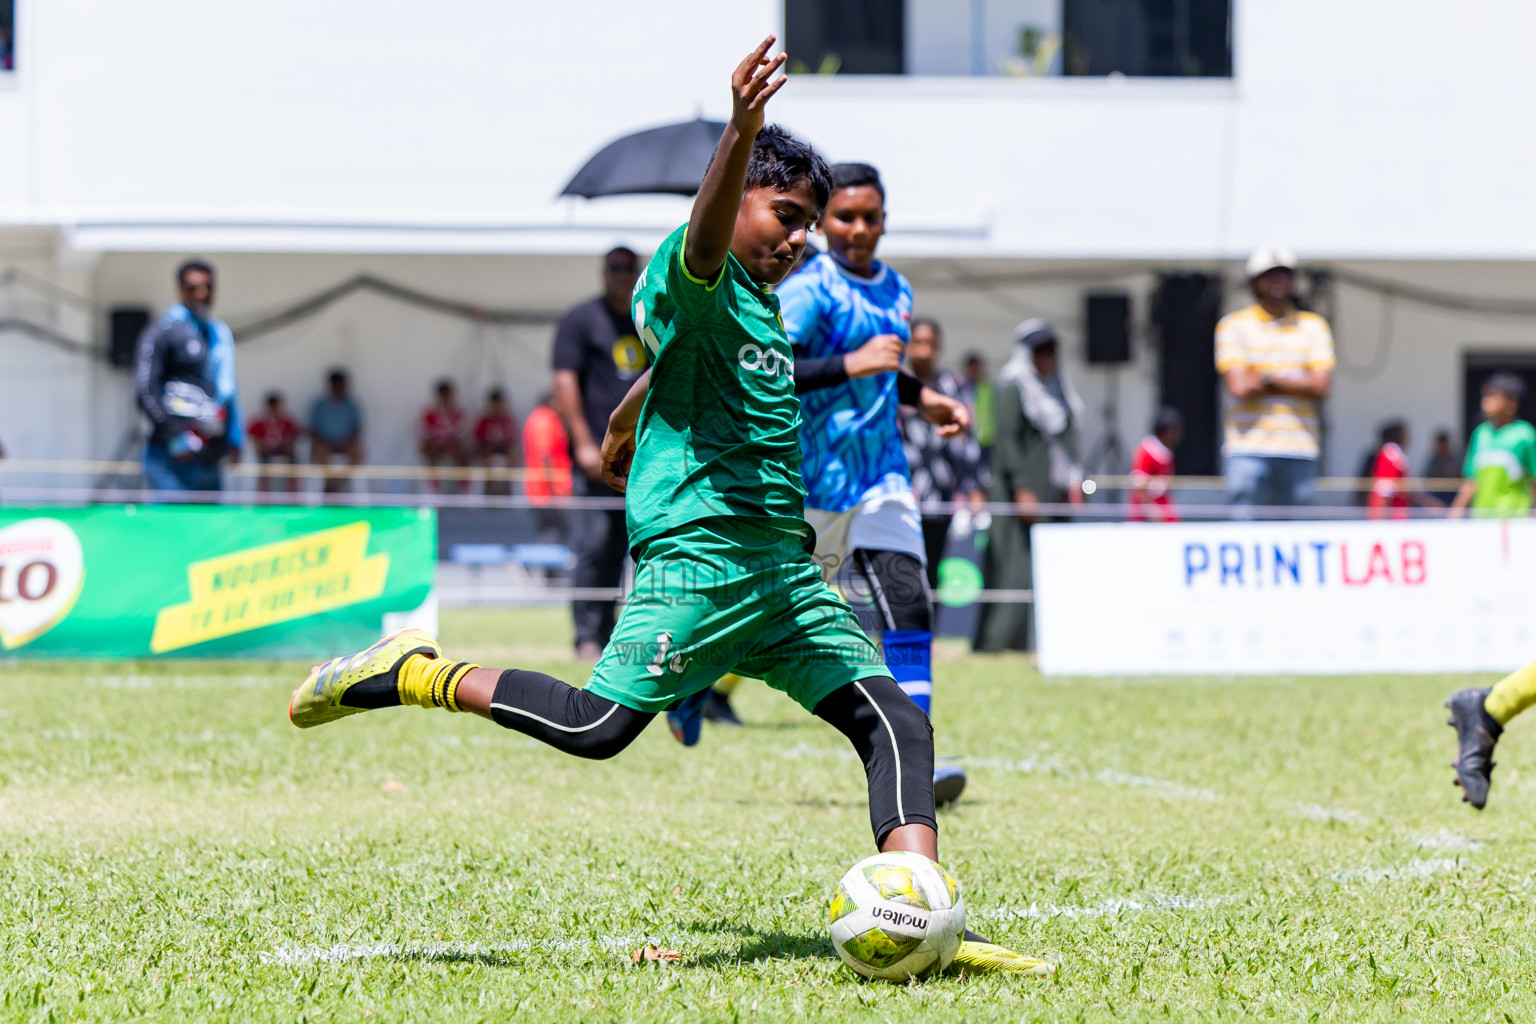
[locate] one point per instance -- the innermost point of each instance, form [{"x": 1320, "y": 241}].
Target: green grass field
[{"x": 1186, "y": 849}]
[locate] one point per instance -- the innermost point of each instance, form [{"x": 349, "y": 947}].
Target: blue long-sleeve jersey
[{"x": 848, "y": 432}]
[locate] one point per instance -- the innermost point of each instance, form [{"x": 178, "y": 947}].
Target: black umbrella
[{"x": 670, "y": 159}]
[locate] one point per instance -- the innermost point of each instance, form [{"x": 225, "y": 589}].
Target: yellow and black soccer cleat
[
  {"x": 369, "y": 677},
  {"x": 982, "y": 957}
]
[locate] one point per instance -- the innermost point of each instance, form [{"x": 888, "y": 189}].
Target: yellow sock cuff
[
  {"x": 431, "y": 682},
  {"x": 1512, "y": 694},
  {"x": 726, "y": 683}
]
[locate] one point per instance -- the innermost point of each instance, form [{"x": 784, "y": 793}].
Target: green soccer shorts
[{"x": 731, "y": 595}]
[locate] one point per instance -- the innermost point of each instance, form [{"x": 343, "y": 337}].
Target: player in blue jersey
[{"x": 848, "y": 316}]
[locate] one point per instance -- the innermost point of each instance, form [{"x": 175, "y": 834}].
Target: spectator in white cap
[{"x": 1277, "y": 363}]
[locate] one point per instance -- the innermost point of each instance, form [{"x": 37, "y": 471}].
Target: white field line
[
  {"x": 206, "y": 736},
  {"x": 345, "y": 952},
  {"x": 1113, "y": 907},
  {"x": 1155, "y": 902},
  {"x": 1169, "y": 681},
  {"x": 136, "y": 682},
  {"x": 1445, "y": 840},
  {"x": 74, "y": 735},
  {"x": 1413, "y": 869},
  {"x": 1342, "y": 815},
  {"x": 1033, "y": 766},
  {"x": 1109, "y": 776}
]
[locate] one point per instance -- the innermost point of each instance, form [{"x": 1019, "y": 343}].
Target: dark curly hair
[{"x": 780, "y": 162}]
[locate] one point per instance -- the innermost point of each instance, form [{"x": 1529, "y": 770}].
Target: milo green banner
[{"x": 135, "y": 581}]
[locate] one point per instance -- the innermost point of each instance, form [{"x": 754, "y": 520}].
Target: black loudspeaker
[
  {"x": 1109, "y": 327},
  {"x": 1185, "y": 309},
  {"x": 128, "y": 322}
]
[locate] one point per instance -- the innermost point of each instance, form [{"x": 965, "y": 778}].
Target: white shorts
[{"x": 887, "y": 522}]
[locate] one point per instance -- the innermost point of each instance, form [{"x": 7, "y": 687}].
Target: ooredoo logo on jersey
[{"x": 755, "y": 358}]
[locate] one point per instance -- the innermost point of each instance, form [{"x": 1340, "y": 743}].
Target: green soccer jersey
[
  {"x": 1502, "y": 460},
  {"x": 718, "y": 435}
]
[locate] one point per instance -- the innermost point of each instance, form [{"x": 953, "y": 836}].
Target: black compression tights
[{"x": 890, "y": 733}]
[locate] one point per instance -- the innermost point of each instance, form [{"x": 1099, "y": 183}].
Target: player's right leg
[
  {"x": 408, "y": 668},
  {"x": 1479, "y": 717},
  {"x": 650, "y": 664}
]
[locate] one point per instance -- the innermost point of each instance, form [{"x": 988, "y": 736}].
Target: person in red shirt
[
  {"x": 496, "y": 440},
  {"x": 547, "y": 462},
  {"x": 275, "y": 436},
  {"x": 1151, "y": 467},
  {"x": 1390, "y": 498},
  {"x": 442, "y": 436}
]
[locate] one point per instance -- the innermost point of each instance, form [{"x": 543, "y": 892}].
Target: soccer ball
[{"x": 897, "y": 916}]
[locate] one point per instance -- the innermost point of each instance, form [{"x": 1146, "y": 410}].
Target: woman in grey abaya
[{"x": 1034, "y": 461}]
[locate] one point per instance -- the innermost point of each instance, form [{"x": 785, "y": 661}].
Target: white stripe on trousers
[{"x": 901, "y": 815}]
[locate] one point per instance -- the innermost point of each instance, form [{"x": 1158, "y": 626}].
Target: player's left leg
[{"x": 1479, "y": 717}]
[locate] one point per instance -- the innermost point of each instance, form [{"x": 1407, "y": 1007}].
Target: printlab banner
[
  {"x": 134, "y": 581},
  {"x": 1317, "y": 597}
]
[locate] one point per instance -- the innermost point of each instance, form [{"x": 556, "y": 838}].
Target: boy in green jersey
[
  {"x": 1501, "y": 457},
  {"x": 1501, "y": 463},
  {"x": 706, "y": 447}
]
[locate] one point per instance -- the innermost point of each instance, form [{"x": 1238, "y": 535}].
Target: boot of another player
[{"x": 1476, "y": 734}]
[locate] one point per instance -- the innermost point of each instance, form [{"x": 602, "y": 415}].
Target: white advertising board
[{"x": 1313, "y": 597}]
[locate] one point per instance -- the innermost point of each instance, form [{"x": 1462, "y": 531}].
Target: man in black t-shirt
[{"x": 597, "y": 356}]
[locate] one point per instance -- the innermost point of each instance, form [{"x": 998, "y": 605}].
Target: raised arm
[{"x": 713, "y": 221}]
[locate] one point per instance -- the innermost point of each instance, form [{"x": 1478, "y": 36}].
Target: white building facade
[{"x": 298, "y": 144}]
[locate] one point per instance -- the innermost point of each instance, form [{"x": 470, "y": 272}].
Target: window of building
[
  {"x": 7, "y": 35},
  {"x": 1148, "y": 38},
  {"x": 845, "y": 37},
  {"x": 1011, "y": 38}
]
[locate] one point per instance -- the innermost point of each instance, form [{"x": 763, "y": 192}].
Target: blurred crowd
[
  {"x": 449, "y": 441},
  {"x": 1275, "y": 362}
]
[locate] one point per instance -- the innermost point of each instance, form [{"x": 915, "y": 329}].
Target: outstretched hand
[
  {"x": 951, "y": 417},
  {"x": 752, "y": 87}
]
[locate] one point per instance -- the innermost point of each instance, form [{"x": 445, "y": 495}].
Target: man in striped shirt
[{"x": 1277, "y": 363}]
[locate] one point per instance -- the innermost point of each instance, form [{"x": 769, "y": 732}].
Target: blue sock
[{"x": 909, "y": 656}]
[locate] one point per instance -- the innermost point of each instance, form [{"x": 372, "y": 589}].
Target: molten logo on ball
[{"x": 896, "y": 916}]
